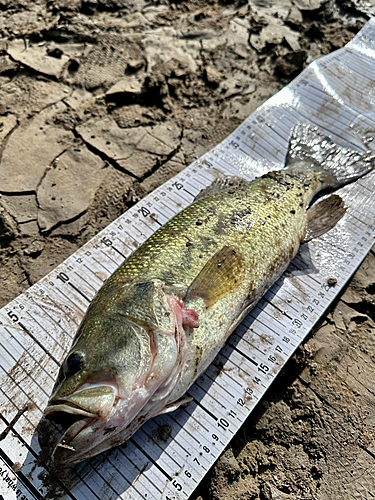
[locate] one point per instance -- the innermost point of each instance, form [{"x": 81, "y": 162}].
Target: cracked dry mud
[{"x": 103, "y": 100}]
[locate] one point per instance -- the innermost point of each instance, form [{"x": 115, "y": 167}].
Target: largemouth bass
[{"x": 162, "y": 317}]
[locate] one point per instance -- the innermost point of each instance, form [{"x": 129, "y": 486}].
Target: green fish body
[{"x": 162, "y": 317}]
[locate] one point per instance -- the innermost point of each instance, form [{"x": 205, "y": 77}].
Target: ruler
[{"x": 169, "y": 455}]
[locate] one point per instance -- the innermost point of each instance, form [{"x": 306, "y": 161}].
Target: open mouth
[
  {"x": 74, "y": 418},
  {"x": 66, "y": 450},
  {"x": 69, "y": 421},
  {"x": 63, "y": 420}
]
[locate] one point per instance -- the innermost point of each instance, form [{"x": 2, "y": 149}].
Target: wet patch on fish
[
  {"x": 221, "y": 225},
  {"x": 238, "y": 216}
]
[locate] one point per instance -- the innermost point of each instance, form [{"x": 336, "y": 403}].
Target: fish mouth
[
  {"x": 68, "y": 451},
  {"x": 69, "y": 422},
  {"x": 74, "y": 415}
]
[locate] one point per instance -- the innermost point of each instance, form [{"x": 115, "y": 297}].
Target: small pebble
[{"x": 331, "y": 281}]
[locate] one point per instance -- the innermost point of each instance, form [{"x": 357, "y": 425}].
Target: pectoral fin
[
  {"x": 175, "y": 405},
  {"x": 324, "y": 216},
  {"x": 222, "y": 275}
]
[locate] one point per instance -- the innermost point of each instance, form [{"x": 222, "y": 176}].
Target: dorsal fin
[{"x": 220, "y": 184}]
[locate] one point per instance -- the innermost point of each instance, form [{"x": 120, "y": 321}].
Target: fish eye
[{"x": 75, "y": 362}]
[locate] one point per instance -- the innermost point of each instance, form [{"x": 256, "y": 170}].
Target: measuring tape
[{"x": 169, "y": 455}]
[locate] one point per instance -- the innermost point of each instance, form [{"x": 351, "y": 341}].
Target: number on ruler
[
  {"x": 107, "y": 241},
  {"x": 296, "y": 322},
  {"x": 13, "y": 316},
  {"x": 63, "y": 277},
  {"x": 177, "y": 485},
  {"x": 263, "y": 368},
  {"x": 249, "y": 391},
  {"x": 144, "y": 211},
  {"x": 223, "y": 424}
]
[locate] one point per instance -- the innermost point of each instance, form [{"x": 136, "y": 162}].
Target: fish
[{"x": 162, "y": 317}]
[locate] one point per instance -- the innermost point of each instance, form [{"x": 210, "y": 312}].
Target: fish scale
[
  {"x": 288, "y": 312},
  {"x": 196, "y": 234}
]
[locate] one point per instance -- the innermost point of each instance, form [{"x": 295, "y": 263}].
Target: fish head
[{"x": 118, "y": 372}]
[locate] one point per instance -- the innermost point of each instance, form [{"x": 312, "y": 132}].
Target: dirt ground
[{"x": 103, "y": 100}]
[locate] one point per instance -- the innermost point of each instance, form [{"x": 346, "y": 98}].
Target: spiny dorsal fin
[
  {"x": 219, "y": 184},
  {"x": 222, "y": 274},
  {"x": 323, "y": 216}
]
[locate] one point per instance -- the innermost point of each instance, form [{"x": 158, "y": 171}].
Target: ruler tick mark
[
  {"x": 92, "y": 272},
  {"x": 83, "y": 279},
  {"x": 155, "y": 220},
  {"x": 9, "y": 427},
  {"x": 242, "y": 354},
  {"x": 26, "y": 330},
  {"x": 118, "y": 251},
  {"x": 151, "y": 460},
  {"x": 203, "y": 407},
  {"x": 188, "y": 192},
  {"x": 79, "y": 291}
]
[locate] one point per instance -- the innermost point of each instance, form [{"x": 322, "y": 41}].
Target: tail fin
[{"x": 310, "y": 145}]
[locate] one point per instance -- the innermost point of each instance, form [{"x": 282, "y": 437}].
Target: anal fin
[{"x": 323, "y": 216}]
